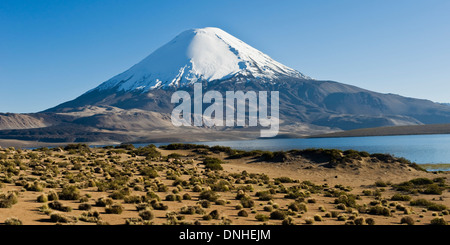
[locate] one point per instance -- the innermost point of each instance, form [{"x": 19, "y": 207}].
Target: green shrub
[
  {"x": 438, "y": 221},
  {"x": 360, "y": 221},
  {"x": 370, "y": 221},
  {"x": 433, "y": 189},
  {"x": 428, "y": 204},
  {"x": 348, "y": 200},
  {"x": 379, "y": 210},
  {"x": 69, "y": 192},
  {"x": 317, "y": 217},
  {"x": 297, "y": 207},
  {"x": 149, "y": 172},
  {"x": 192, "y": 210},
  {"x": 407, "y": 220},
  {"x": 84, "y": 206},
  {"x": 247, "y": 202},
  {"x": 209, "y": 195},
  {"x": 56, "y": 205},
  {"x": 103, "y": 202},
  {"x": 278, "y": 214},
  {"x": 7, "y": 201},
  {"x": 186, "y": 196},
  {"x": 114, "y": 209},
  {"x": 13, "y": 221},
  {"x": 380, "y": 183},
  {"x": 288, "y": 221},
  {"x": 213, "y": 163},
  {"x": 146, "y": 214},
  {"x": 52, "y": 196},
  {"x": 264, "y": 195},
  {"x": 205, "y": 203},
  {"x": 60, "y": 218},
  {"x": 400, "y": 197},
  {"x": 261, "y": 217},
  {"x": 242, "y": 213}
]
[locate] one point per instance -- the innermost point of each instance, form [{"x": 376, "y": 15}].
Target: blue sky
[{"x": 53, "y": 51}]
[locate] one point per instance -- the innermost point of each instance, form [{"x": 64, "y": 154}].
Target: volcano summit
[{"x": 135, "y": 106}]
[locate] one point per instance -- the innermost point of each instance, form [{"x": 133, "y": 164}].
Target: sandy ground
[{"x": 355, "y": 180}]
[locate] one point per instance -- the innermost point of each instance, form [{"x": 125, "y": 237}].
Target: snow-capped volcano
[{"x": 204, "y": 54}]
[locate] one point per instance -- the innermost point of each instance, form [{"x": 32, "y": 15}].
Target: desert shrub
[
  {"x": 297, "y": 207},
  {"x": 261, "y": 217},
  {"x": 421, "y": 181},
  {"x": 428, "y": 204},
  {"x": 158, "y": 205},
  {"x": 114, "y": 209},
  {"x": 192, "y": 210},
  {"x": 84, "y": 206},
  {"x": 91, "y": 217},
  {"x": 152, "y": 195},
  {"x": 13, "y": 221},
  {"x": 212, "y": 163},
  {"x": 268, "y": 208},
  {"x": 36, "y": 186},
  {"x": 438, "y": 221},
  {"x": 209, "y": 195},
  {"x": 205, "y": 203},
  {"x": 360, "y": 221},
  {"x": 433, "y": 189},
  {"x": 242, "y": 213},
  {"x": 56, "y": 205},
  {"x": 342, "y": 217},
  {"x": 309, "y": 221},
  {"x": 348, "y": 200},
  {"x": 288, "y": 221},
  {"x": 77, "y": 148},
  {"x": 264, "y": 195},
  {"x": 370, "y": 221},
  {"x": 132, "y": 199},
  {"x": 247, "y": 202},
  {"x": 146, "y": 214},
  {"x": 380, "y": 183},
  {"x": 197, "y": 188},
  {"x": 60, "y": 218},
  {"x": 317, "y": 217},
  {"x": 278, "y": 214},
  {"x": 400, "y": 197},
  {"x": 379, "y": 210},
  {"x": 52, "y": 195},
  {"x": 220, "y": 202},
  {"x": 149, "y": 172},
  {"x": 7, "y": 201},
  {"x": 407, "y": 220},
  {"x": 69, "y": 192},
  {"x": 170, "y": 197},
  {"x": 186, "y": 196},
  {"x": 221, "y": 185},
  {"x": 149, "y": 151},
  {"x": 215, "y": 214},
  {"x": 367, "y": 192},
  {"x": 103, "y": 202},
  {"x": 423, "y": 185},
  {"x": 283, "y": 180}
]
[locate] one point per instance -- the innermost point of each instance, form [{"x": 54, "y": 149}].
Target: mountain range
[{"x": 135, "y": 106}]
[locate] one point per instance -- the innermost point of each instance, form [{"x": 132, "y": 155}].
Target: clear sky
[{"x": 52, "y": 51}]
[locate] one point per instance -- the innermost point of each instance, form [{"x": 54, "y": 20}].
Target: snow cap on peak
[{"x": 203, "y": 54}]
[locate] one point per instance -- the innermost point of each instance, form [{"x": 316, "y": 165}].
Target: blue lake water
[{"x": 416, "y": 148}]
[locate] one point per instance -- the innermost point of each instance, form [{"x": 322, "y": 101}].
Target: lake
[{"x": 416, "y": 148}]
